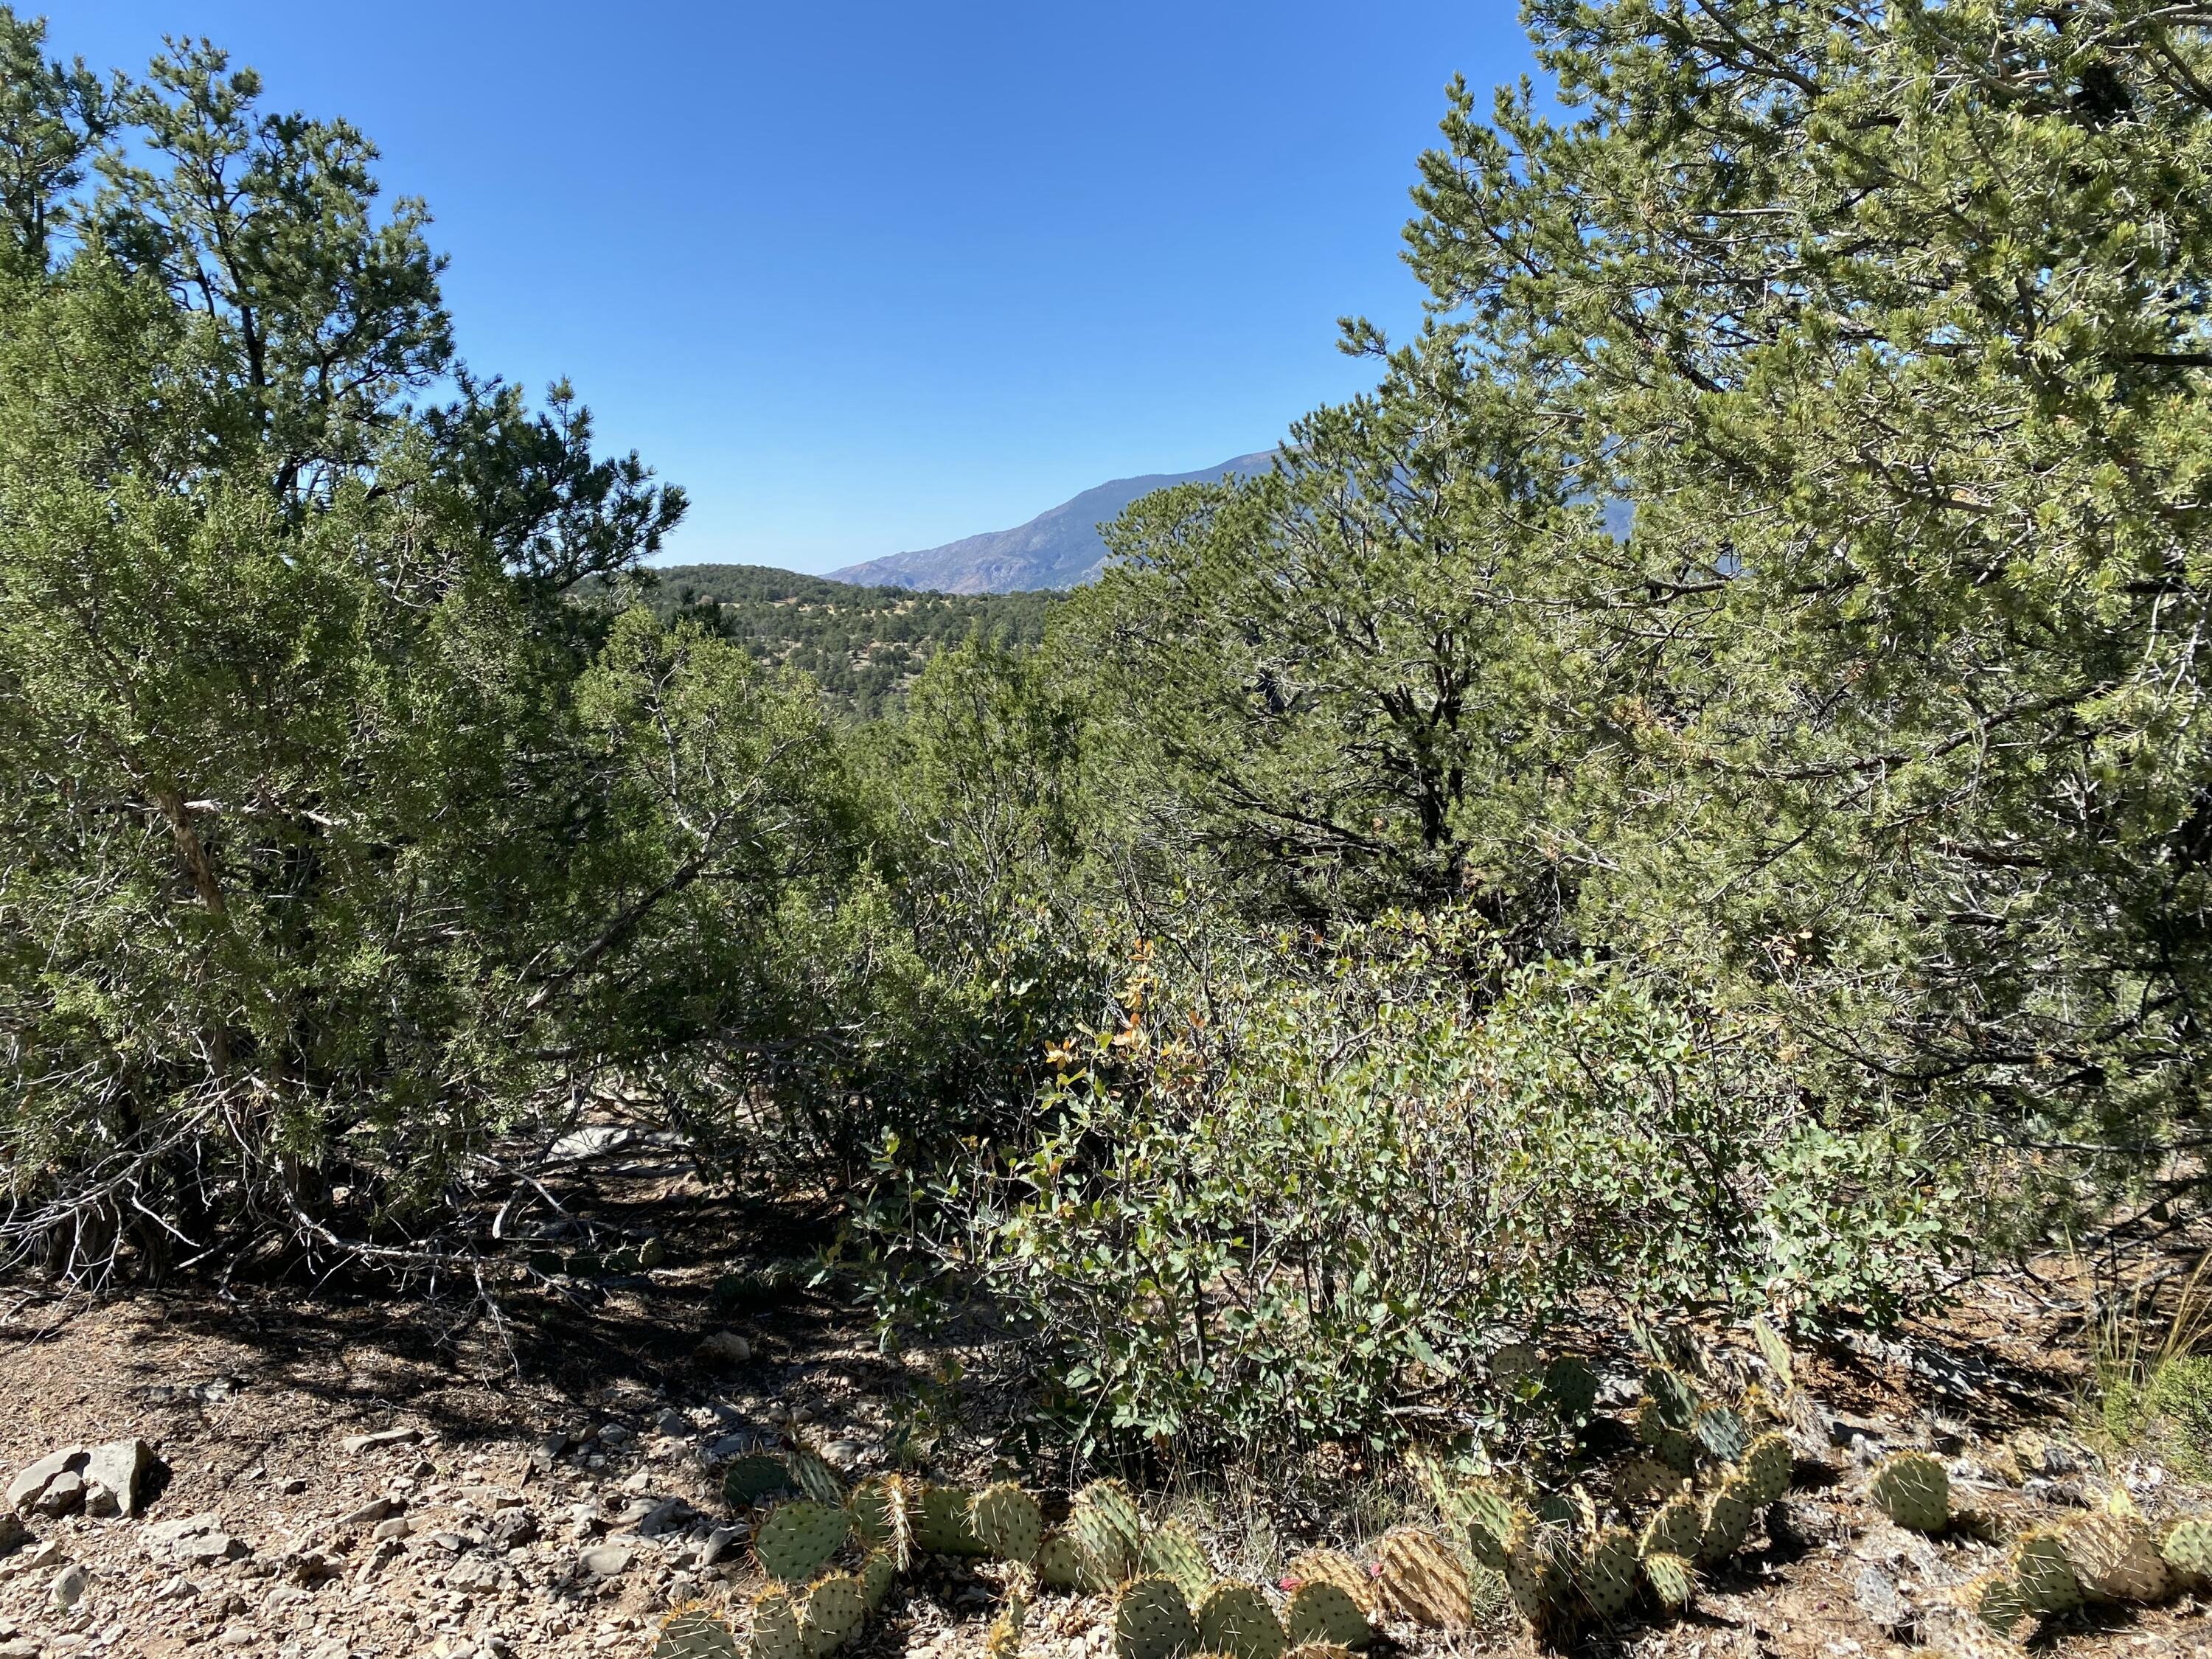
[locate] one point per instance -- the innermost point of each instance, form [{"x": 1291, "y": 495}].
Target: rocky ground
[{"x": 334, "y": 1476}]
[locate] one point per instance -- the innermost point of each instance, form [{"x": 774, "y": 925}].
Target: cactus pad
[
  {"x": 1483, "y": 1516},
  {"x": 1677, "y": 1529},
  {"x": 695, "y": 1633},
  {"x": 2116, "y": 1557},
  {"x": 882, "y": 1519},
  {"x": 1997, "y": 1601},
  {"x": 1913, "y": 1489},
  {"x": 1171, "y": 1550},
  {"x": 749, "y": 1479},
  {"x": 1004, "y": 1641},
  {"x": 1776, "y": 1353},
  {"x": 1321, "y": 1612},
  {"x": 774, "y": 1633},
  {"x": 1418, "y": 1579},
  {"x": 1675, "y": 1448},
  {"x": 1008, "y": 1521},
  {"x": 1152, "y": 1620},
  {"x": 1606, "y": 1575},
  {"x": 878, "y": 1573},
  {"x": 1058, "y": 1564},
  {"x": 1333, "y": 1567},
  {"x": 1646, "y": 1476},
  {"x": 1721, "y": 1433},
  {"x": 2042, "y": 1575},
  {"x": 1672, "y": 1581},
  {"x": 837, "y": 1607},
  {"x": 941, "y": 1524},
  {"x": 1539, "y": 1577},
  {"x": 796, "y": 1541},
  {"x": 1727, "y": 1520},
  {"x": 2186, "y": 1547},
  {"x": 1571, "y": 1386},
  {"x": 1235, "y": 1620},
  {"x": 1106, "y": 1526},
  {"x": 811, "y": 1475},
  {"x": 1768, "y": 1463}
]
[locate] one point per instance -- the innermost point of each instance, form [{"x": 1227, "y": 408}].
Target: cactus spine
[
  {"x": 1059, "y": 1564},
  {"x": 774, "y": 1633},
  {"x": 1607, "y": 1574},
  {"x": 1106, "y": 1529},
  {"x": 2116, "y": 1559},
  {"x": 1007, "y": 1522},
  {"x": 1672, "y": 1581},
  {"x": 1677, "y": 1529},
  {"x": 1171, "y": 1550},
  {"x": 1416, "y": 1577},
  {"x": 835, "y": 1608},
  {"x": 1768, "y": 1463},
  {"x": 2186, "y": 1547}
]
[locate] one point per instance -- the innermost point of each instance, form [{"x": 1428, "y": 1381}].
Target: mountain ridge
[{"x": 1059, "y": 548}]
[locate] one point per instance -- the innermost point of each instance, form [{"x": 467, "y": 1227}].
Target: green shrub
[{"x": 1279, "y": 1204}]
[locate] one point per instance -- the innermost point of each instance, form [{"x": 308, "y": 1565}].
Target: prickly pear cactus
[
  {"x": 1671, "y": 1580},
  {"x": 774, "y": 1631},
  {"x": 1913, "y": 1489},
  {"x": 1539, "y": 1577},
  {"x": 1008, "y": 1521},
  {"x": 695, "y": 1633},
  {"x": 1336, "y": 1568},
  {"x": 749, "y": 1479},
  {"x": 2042, "y": 1573},
  {"x": 941, "y": 1525},
  {"x": 2116, "y": 1559},
  {"x": 1486, "y": 1518},
  {"x": 1059, "y": 1563},
  {"x": 1677, "y": 1529},
  {"x": 1320, "y": 1611},
  {"x": 1571, "y": 1386},
  {"x": 1675, "y": 1447},
  {"x": 1727, "y": 1520},
  {"x": 1171, "y": 1550},
  {"x": 1997, "y": 1601},
  {"x": 1768, "y": 1463},
  {"x": 1004, "y": 1641},
  {"x": 1106, "y": 1526},
  {"x": 1721, "y": 1432},
  {"x": 837, "y": 1607},
  {"x": 1645, "y": 1476},
  {"x": 812, "y": 1476},
  {"x": 878, "y": 1573},
  {"x": 1606, "y": 1575},
  {"x": 1776, "y": 1353},
  {"x": 879, "y": 1507},
  {"x": 1152, "y": 1620},
  {"x": 1418, "y": 1579},
  {"x": 1235, "y": 1620},
  {"x": 2186, "y": 1548},
  {"x": 796, "y": 1541}
]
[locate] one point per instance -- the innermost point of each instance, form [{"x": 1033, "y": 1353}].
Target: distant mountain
[{"x": 1059, "y": 549}]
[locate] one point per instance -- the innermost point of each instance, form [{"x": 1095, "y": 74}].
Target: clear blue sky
[{"x": 870, "y": 277}]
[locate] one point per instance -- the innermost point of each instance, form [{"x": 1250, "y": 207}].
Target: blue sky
[{"x": 866, "y": 277}]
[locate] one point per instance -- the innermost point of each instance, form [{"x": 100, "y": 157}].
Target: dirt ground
[{"x": 345, "y": 1473}]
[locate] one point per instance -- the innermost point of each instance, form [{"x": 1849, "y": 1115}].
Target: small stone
[
  {"x": 376, "y": 1510},
  {"x": 20, "y": 1647},
  {"x": 606, "y": 1561},
  {"x": 237, "y": 1636},
  {"x": 398, "y": 1527},
  {"x": 294, "y": 1487},
  {"x": 661, "y": 1518},
  {"x": 362, "y": 1442},
  {"x": 843, "y": 1453},
  {"x": 721, "y": 1350},
  {"x": 179, "y": 1588},
  {"x": 719, "y": 1542},
  {"x": 12, "y": 1532},
  {"x": 512, "y": 1529},
  {"x": 115, "y": 1477},
  {"x": 614, "y": 1434},
  {"x": 70, "y": 1584},
  {"x": 213, "y": 1546},
  {"x": 671, "y": 1423}
]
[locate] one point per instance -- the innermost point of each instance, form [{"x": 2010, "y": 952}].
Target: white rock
[
  {"x": 115, "y": 1477},
  {"x": 70, "y": 1584},
  {"x": 25, "y": 1488}
]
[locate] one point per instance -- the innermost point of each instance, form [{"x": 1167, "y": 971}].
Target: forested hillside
[
  {"x": 1406, "y": 942},
  {"x": 862, "y": 646}
]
